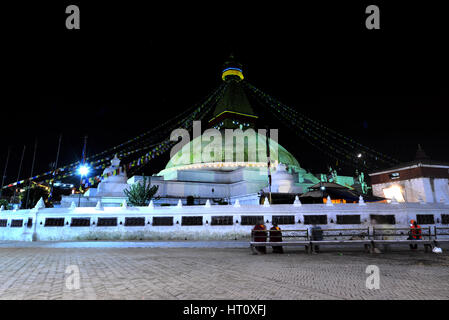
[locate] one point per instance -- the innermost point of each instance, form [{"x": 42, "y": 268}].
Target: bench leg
[
  {"x": 253, "y": 250},
  {"x": 367, "y": 248},
  {"x": 374, "y": 249}
]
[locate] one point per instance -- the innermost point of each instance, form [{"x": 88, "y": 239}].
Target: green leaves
[{"x": 140, "y": 193}]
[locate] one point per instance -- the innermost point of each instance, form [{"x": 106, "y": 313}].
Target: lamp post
[
  {"x": 83, "y": 170},
  {"x": 268, "y": 162},
  {"x": 322, "y": 188}
]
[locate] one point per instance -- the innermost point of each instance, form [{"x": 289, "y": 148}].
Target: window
[
  {"x": 315, "y": 219},
  {"x": 54, "y": 222},
  {"x": 383, "y": 219},
  {"x": 192, "y": 221},
  {"x": 221, "y": 221},
  {"x": 80, "y": 222},
  {"x": 135, "y": 221},
  {"x": 162, "y": 221},
  {"x": 251, "y": 220},
  {"x": 394, "y": 175},
  {"x": 107, "y": 222},
  {"x": 444, "y": 219},
  {"x": 3, "y": 222},
  {"x": 283, "y": 219},
  {"x": 348, "y": 219},
  {"x": 16, "y": 223},
  {"x": 425, "y": 219}
]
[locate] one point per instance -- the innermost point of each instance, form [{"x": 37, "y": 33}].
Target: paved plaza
[{"x": 180, "y": 270}]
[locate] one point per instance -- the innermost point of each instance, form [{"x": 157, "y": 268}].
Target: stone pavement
[{"x": 38, "y": 272}]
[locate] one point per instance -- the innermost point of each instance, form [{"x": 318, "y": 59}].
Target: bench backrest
[
  {"x": 346, "y": 234},
  {"x": 401, "y": 232},
  {"x": 302, "y": 234},
  {"x": 440, "y": 231}
]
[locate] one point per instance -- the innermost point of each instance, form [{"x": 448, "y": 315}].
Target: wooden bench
[
  {"x": 347, "y": 236},
  {"x": 439, "y": 232},
  {"x": 353, "y": 236},
  {"x": 399, "y": 234},
  {"x": 289, "y": 238},
  {"x": 302, "y": 237}
]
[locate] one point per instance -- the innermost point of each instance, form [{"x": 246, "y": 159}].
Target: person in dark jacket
[
  {"x": 276, "y": 236},
  {"x": 260, "y": 235},
  {"x": 317, "y": 235}
]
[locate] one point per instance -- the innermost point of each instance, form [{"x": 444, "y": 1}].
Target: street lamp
[
  {"x": 82, "y": 171},
  {"x": 322, "y": 188}
]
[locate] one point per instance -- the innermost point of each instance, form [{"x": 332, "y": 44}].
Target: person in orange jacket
[
  {"x": 415, "y": 233},
  {"x": 276, "y": 236}
]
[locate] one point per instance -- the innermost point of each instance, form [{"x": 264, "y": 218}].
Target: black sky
[{"x": 132, "y": 66}]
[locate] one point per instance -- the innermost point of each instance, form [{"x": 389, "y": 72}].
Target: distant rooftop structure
[
  {"x": 420, "y": 180},
  {"x": 338, "y": 194},
  {"x": 421, "y": 160}
]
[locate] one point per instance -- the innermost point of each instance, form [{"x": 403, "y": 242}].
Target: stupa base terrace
[{"x": 225, "y": 222}]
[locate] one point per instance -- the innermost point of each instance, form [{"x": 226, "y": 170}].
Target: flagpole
[
  {"x": 56, "y": 167},
  {"x": 32, "y": 169},
  {"x": 18, "y": 175},
  {"x": 4, "y": 172}
]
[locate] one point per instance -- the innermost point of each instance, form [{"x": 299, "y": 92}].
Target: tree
[
  {"x": 36, "y": 193},
  {"x": 140, "y": 193},
  {"x": 4, "y": 203}
]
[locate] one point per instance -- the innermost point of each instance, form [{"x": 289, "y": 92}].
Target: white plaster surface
[{"x": 403, "y": 213}]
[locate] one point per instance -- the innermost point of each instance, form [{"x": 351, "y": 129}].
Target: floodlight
[{"x": 83, "y": 170}]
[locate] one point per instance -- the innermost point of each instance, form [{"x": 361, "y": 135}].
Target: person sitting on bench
[
  {"x": 260, "y": 236},
  {"x": 415, "y": 233},
  {"x": 317, "y": 235},
  {"x": 276, "y": 236}
]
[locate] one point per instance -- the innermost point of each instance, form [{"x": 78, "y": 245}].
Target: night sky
[{"x": 130, "y": 67}]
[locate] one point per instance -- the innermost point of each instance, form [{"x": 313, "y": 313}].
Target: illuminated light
[
  {"x": 232, "y": 72},
  {"x": 218, "y": 164},
  {"x": 83, "y": 170},
  {"x": 239, "y": 113},
  {"x": 359, "y": 155},
  {"x": 395, "y": 191},
  {"x": 238, "y": 69}
]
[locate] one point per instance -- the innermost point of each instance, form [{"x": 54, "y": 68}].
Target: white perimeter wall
[{"x": 403, "y": 212}]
